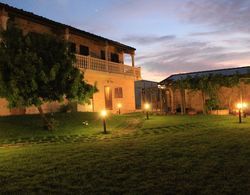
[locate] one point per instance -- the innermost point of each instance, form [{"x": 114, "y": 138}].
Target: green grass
[
  {"x": 29, "y": 128},
  {"x": 163, "y": 155}
]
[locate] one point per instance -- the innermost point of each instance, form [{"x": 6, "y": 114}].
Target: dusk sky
[{"x": 171, "y": 36}]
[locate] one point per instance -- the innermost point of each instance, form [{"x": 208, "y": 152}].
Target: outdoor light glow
[
  {"x": 119, "y": 105},
  {"x": 161, "y": 86},
  {"x": 241, "y": 105},
  {"x": 147, "y": 106},
  {"x": 103, "y": 113}
]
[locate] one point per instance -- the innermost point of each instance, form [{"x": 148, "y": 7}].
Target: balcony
[{"x": 90, "y": 63}]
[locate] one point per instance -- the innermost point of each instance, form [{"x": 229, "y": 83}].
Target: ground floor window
[{"x": 118, "y": 92}]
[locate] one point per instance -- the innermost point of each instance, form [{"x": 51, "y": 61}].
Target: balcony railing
[{"x": 87, "y": 62}]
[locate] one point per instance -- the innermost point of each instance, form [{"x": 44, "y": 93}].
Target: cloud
[
  {"x": 150, "y": 39},
  {"x": 228, "y": 15},
  {"x": 188, "y": 56},
  {"x": 210, "y": 33}
]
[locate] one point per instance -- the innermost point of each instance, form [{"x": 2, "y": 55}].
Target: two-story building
[{"x": 100, "y": 59}]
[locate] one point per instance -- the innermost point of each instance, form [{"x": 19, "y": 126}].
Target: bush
[
  {"x": 70, "y": 107},
  {"x": 212, "y": 104},
  {"x": 51, "y": 123}
]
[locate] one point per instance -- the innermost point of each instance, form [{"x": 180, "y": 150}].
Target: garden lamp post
[
  {"x": 147, "y": 107},
  {"x": 104, "y": 115},
  {"x": 119, "y": 106},
  {"x": 241, "y": 107}
]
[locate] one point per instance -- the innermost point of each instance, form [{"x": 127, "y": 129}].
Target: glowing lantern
[{"x": 104, "y": 115}]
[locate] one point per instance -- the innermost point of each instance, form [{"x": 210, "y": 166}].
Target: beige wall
[
  {"x": 30, "y": 26},
  {"x": 102, "y": 79},
  {"x": 4, "y": 110},
  {"x": 228, "y": 97},
  {"x": 95, "y": 46},
  {"x": 47, "y": 108},
  {"x": 112, "y": 80}
]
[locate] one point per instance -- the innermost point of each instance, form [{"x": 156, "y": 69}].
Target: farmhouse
[{"x": 101, "y": 60}]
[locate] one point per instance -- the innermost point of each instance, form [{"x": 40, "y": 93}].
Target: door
[{"x": 108, "y": 97}]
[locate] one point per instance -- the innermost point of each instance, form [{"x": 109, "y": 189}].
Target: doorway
[{"x": 108, "y": 98}]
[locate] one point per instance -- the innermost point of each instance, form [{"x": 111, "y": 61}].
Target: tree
[
  {"x": 182, "y": 84},
  {"x": 209, "y": 86},
  {"x": 37, "y": 68}
]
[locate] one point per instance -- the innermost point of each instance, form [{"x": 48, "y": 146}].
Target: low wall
[{"x": 219, "y": 112}]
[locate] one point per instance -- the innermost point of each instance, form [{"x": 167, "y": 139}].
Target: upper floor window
[
  {"x": 118, "y": 92},
  {"x": 114, "y": 57},
  {"x": 72, "y": 47},
  {"x": 103, "y": 56},
  {"x": 84, "y": 50}
]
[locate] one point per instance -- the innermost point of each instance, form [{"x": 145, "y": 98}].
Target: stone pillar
[
  {"x": 122, "y": 57},
  {"x": 107, "y": 56},
  {"x": 133, "y": 59},
  {"x": 106, "y": 50},
  {"x": 172, "y": 103},
  {"x": 3, "y": 19}
]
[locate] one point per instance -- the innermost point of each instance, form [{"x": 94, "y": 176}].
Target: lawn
[{"x": 162, "y": 155}]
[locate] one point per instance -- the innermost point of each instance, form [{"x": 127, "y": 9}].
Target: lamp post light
[
  {"x": 147, "y": 107},
  {"x": 119, "y": 106},
  {"x": 241, "y": 107},
  {"x": 104, "y": 115}
]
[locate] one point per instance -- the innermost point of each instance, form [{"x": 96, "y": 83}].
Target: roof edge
[{"x": 205, "y": 71}]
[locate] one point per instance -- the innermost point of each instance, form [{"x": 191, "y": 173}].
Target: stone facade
[
  {"x": 94, "y": 46},
  {"x": 228, "y": 98}
]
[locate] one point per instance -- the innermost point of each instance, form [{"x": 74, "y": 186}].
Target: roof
[
  {"x": 146, "y": 81},
  {"x": 225, "y": 72},
  {"x": 145, "y": 84},
  {"x": 43, "y": 20}
]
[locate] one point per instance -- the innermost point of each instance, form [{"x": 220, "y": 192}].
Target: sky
[{"x": 170, "y": 36}]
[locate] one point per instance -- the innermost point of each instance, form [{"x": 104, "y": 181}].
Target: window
[
  {"x": 114, "y": 57},
  {"x": 103, "y": 55},
  {"x": 72, "y": 47},
  {"x": 118, "y": 92},
  {"x": 84, "y": 50}
]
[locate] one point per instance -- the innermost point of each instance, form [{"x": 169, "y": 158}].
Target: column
[
  {"x": 106, "y": 50},
  {"x": 171, "y": 92},
  {"x": 133, "y": 59},
  {"x": 107, "y": 55}
]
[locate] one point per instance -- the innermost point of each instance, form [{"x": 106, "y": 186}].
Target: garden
[{"x": 165, "y": 154}]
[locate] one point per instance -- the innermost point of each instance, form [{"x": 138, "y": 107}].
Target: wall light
[{"x": 119, "y": 106}]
